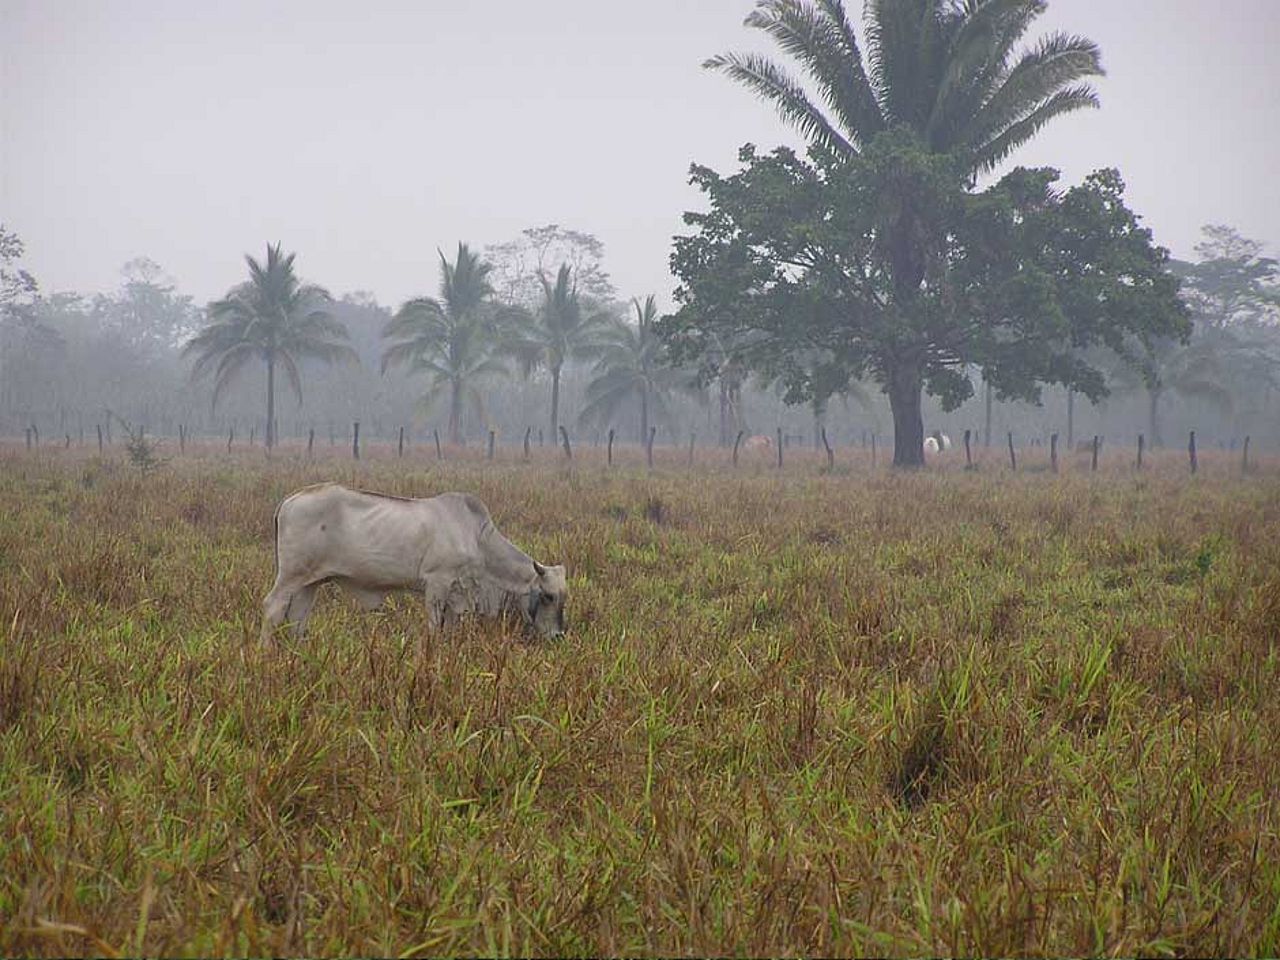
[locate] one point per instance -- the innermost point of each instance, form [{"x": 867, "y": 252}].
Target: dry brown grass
[{"x": 825, "y": 714}]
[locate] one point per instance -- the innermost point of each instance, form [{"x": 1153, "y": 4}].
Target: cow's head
[{"x": 546, "y": 601}]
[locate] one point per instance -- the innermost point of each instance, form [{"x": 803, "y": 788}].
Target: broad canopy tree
[
  {"x": 878, "y": 252},
  {"x": 793, "y": 263}
]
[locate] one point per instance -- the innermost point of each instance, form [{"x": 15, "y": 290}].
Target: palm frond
[
  {"x": 1066, "y": 101},
  {"x": 1057, "y": 63},
  {"x": 405, "y": 353},
  {"x": 821, "y": 42},
  {"x": 291, "y": 373},
  {"x": 230, "y": 365},
  {"x": 772, "y": 83}
]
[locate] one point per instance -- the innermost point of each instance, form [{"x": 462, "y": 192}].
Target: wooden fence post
[
  {"x": 1244, "y": 461},
  {"x": 68, "y": 444},
  {"x": 1142, "y": 443},
  {"x": 609, "y": 449},
  {"x": 400, "y": 444},
  {"x": 1013, "y": 459},
  {"x": 527, "y": 432},
  {"x": 541, "y": 441},
  {"x": 355, "y": 440},
  {"x": 653, "y": 432},
  {"x": 311, "y": 441},
  {"x": 1053, "y": 453},
  {"x": 99, "y": 426},
  {"x": 28, "y": 436},
  {"x": 564, "y": 439},
  {"x": 779, "y": 448},
  {"x": 492, "y": 436},
  {"x": 182, "y": 438},
  {"x": 1097, "y": 442},
  {"x": 231, "y": 436},
  {"x": 692, "y": 438},
  {"x": 435, "y": 432},
  {"x": 873, "y": 450},
  {"x": 1191, "y": 451},
  {"x": 736, "y": 443},
  {"x": 831, "y": 454}
]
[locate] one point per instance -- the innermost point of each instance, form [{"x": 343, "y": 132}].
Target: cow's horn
[{"x": 539, "y": 569}]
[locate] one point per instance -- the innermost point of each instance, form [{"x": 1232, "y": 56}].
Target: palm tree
[
  {"x": 632, "y": 364},
  {"x": 946, "y": 70},
  {"x": 272, "y": 317},
  {"x": 451, "y": 339},
  {"x": 1212, "y": 367},
  {"x": 560, "y": 330}
]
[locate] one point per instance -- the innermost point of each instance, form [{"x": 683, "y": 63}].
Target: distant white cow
[
  {"x": 936, "y": 441},
  {"x": 760, "y": 443},
  {"x": 371, "y": 545}
]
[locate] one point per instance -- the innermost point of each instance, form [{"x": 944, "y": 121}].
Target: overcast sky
[{"x": 364, "y": 135}]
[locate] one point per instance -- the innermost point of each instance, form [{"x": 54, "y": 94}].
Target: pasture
[{"x": 825, "y": 713}]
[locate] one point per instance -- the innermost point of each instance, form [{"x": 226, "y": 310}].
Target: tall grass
[{"x": 857, "y": 712}]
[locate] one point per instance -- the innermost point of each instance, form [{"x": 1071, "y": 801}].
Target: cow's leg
[
  {"x": 436, "y": 593},
  {"x": 300, "y": 607},
  {"x": 274, "y": 607},
  {"x": 287, "y": 602}
]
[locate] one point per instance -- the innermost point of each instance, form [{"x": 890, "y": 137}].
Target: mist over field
[{"x": 864, "y": 426}]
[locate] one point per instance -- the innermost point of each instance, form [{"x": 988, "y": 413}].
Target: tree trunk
[
  {"x": 724, "y": 412},
  {"x": 906, "y": 386},
  {"x": 1154, "y": 414},
  {"x": 986, "y": 431},
  {"x": 271, "y": 401},
  {"x": 455, "y": 412},
  {"x": 555, "y": 400},
  {"x": 1071, "y": 419},
  {"x": 819, "y": 421},
  {"x": 644, "y": 413}
]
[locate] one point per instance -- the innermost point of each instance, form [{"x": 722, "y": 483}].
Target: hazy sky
[{"x": 366, "y": 134}]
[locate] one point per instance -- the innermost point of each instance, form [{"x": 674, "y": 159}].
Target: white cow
[
  {"x": 937, "y": 441},
  {"x": 372, "y": 545}
]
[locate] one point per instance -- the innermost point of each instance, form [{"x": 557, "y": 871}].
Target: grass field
[{"x": 947, "y": 713}]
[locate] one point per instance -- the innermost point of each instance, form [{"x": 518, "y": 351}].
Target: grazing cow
[
  {"x": 930, "y": 445},
  {"x": 758, "y": 444},
  {"x": 372, "y": 545}
]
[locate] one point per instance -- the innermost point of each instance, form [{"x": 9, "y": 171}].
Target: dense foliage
[{"x": 794, "y": 265}]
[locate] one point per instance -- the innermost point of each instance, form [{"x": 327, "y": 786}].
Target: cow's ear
[{"x": 539, "y": 569}]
